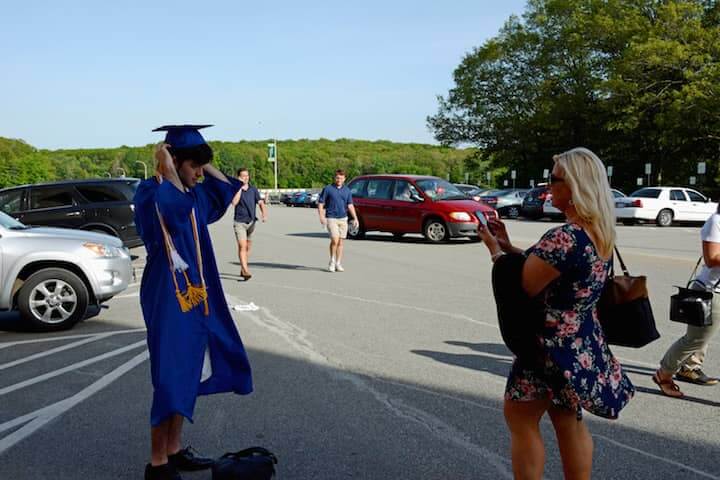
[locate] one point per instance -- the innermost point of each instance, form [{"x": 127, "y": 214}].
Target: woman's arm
[
  {"x": 537, "y": 274},
  {"x": 711, "y": 254}
]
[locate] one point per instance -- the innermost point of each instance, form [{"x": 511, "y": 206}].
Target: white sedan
[
  {"x": 664, "y": 205},
  {"x": 552, "y": 212}
]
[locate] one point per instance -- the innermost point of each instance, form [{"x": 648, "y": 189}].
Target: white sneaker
[
  {"x": 339, "y": 267},
  {"x": 331, "y": 266}
]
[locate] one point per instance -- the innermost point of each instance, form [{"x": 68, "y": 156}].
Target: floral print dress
[{"x": 579, "y": 371}]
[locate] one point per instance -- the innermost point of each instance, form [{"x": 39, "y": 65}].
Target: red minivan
[{"x": 402, "y": 204}]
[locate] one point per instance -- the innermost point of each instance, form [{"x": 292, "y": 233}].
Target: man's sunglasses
[{"x": 556, "y": 179}]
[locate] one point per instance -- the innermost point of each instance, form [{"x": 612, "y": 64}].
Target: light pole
[
  {"x": 144, "y": 168},
  {"x": 272, "y": 157}
]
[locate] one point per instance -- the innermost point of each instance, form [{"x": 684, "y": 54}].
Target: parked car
[
  {"x": 100, "y": 205},
  {"x": 532, "y": 205},
  {"x": 472, "y": 191},
  {"x": 51, "y": 275},
  {"x": 297, "y": 199},
  {"x": 550, "y": 211},
  {"x": 311, "y": 199},
  {"x": 402, "y": 204},
  {"x": 507, "y": 202},
  {"x": 664, "y": 205}
]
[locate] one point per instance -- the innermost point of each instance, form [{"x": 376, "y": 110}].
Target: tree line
[
  {"x": 301, "y": 163},
  {"x": 637, "y": 81}
]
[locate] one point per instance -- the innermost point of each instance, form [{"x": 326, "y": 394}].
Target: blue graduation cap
[{"x": 183, "y": 136}]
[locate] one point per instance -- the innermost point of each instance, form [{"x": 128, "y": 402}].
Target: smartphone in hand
[{"x": 483, "y": 219}]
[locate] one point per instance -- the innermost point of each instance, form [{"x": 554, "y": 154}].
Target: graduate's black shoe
[
  {"x": 161, "y": 472},
  {"x": 188, "y": 460}
]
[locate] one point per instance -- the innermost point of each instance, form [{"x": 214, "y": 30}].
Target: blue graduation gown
[{"x": 177, "y": 340}]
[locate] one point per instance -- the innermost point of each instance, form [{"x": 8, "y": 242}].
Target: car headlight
[
  {"x": 102, "y": 250},
  {"x": 461, "y": 216}
]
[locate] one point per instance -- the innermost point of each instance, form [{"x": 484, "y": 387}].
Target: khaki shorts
[
  {"x": 337, "y": 227},
  {"x": 243, "y": 231}
]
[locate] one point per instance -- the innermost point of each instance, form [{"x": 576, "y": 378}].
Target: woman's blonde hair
[{"x": 586, "y": 177}]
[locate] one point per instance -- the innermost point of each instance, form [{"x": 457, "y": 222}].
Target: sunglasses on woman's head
[{"x": 555, "y": 179}]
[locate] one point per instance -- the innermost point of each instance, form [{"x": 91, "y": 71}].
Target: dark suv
[
  {"x": 99, "y": 205},
  {"x": 532, "y": 205}
]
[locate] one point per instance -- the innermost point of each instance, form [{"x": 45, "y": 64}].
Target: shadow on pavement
[
  {"x": 485, "y": 361},
  {"x": 379, "y": 237},
  {"x": 11, "y": 321},
  {"x": 281, "y": 266}
]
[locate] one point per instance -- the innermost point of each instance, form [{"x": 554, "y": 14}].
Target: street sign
[
  {"x": 467, "y": 177},
  {"x": 505, "y": 183},
  {"x": 513, "y": 174},
  {"x": 271, "y": 152},
  {"x": 692, "y": 180},
  {"x": 532, "y": 183},
  {"x": 609, "y": 171},
  {"x": 488, "y": 176},
  {"x": 546, "y": 173},
  {"x": 648, "y": 168},
  {"x": 701, "y": 168},
  {"x": 639, "y": 181}
]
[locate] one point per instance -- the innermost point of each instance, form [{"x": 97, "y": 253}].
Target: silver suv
[{"x": 51, "y": 275}]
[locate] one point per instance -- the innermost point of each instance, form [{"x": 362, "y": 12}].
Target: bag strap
[
  {"x": 692, "y": 275},
  {"x": 622, "y": 263}
]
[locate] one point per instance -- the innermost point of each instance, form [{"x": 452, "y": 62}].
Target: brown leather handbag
[{"x": 624, "y": 309}]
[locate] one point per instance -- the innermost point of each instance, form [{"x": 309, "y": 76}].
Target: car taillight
[{"x": 637, "y": 203}]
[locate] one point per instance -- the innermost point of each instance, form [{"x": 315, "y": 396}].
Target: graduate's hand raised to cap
[{"x": 162, "y": 155}]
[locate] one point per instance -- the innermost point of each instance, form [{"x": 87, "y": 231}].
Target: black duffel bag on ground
[
  {"x": 624, "y": 309},
  {"x": 693, "y": 306},
  {"x": 254, "y": 463}
]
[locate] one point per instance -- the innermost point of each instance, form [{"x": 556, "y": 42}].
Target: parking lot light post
[
  {"x": 272, "y": 157},
  {"x": 144, "y": 169}
]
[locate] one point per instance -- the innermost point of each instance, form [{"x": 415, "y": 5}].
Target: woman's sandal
[{"x": 667, "y": 387}]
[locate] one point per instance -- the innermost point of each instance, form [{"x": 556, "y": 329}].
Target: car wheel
[
  {"x": 512, "y": 212},
  {"x": 356, "y": 232},
  {"x": 435, "y": 231},
  {"x": 664, "y": 218},
  {"x": 628, "y": 222},
  {"x": 53, "y": 299}
]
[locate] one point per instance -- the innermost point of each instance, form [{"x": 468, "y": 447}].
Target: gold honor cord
[{"x": 194, "y": 294}]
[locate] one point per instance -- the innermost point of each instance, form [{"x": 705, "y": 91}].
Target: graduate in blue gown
[{"x": 195, "y": 348}]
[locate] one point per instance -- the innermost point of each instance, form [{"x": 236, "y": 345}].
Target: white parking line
[
  {"x": 53, "y": 350},
  {"x": 70, "y": 368},
  {"x": 458, "y": 316},
  {"x": 68, "y": 337},
  {"x": 41, "y": 417}
]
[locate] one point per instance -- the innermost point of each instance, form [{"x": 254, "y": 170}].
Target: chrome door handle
[{"x": 73, "y": 214}]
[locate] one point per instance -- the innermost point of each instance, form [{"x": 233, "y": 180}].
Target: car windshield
[
  {"x": 6, "y": 221},
  {"x": 438, "y": 189}
]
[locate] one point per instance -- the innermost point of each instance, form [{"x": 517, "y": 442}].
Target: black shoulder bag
[
  {"x": 254, "y": 463},
  {"x": 624, "y": 309},
  {"x": 691, "y": 306}
]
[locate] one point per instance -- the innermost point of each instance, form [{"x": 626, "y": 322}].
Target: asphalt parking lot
[{"x": 392, "y": 369}]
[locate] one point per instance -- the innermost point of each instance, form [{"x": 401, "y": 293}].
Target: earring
[{"x": 571, "y": 203}]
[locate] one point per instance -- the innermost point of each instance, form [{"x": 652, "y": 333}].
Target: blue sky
[{"x": 102, "y": 74}]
